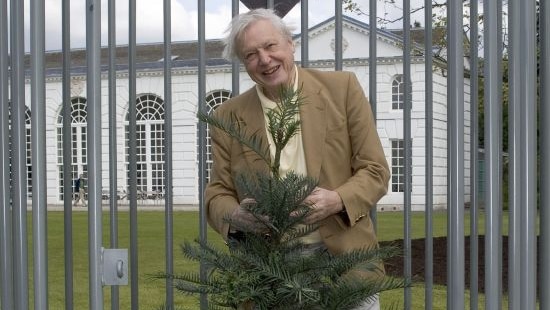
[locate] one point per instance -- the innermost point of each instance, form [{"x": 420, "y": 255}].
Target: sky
[{"x": 149, "y": 28}]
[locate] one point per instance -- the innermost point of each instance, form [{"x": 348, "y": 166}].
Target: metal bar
[
  {"x": 113, "y": 159},
  {"x": 514, "y": 185},
  {"x": 270, "y": 4},
  {"x": 544, "y": 274},
  {"x": 455, "y": 170},
  {"x": 528, "y": 146},
  {"x": 407, "y": 149},
  {"x": 373, "y": 56},
  {"x": 236, "y": 65},
  {"x": 18, "y": 176},
  {"x": 373, "y": 79},
  {"x": 493, "y": 161},
  {"x": 38, "y": 136},
  {"x": 67, "y": 153},
  {"x": 304, "y": 35},
  {"x": 168, "y": 167},
  {"x": 474, "y": 146},
  {"x": 428, "y": 68},
  {"x": 6, "y": 245},
  {"x": 132, "y": 155},
  {"x": 338, "y": 35},
  {"x": 201, "y": 92},
  {"x": 93, "y": 94}
]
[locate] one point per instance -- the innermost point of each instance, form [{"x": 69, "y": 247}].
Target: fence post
[
  {"x": 493, "y": 146},
  {"x": 18, "y": 172},
  {"x": 6, "y": 245},
  {"x": 455, "y": 157},
  {"x": 38, "y": 136},
  {"x": 93, "y": 80},
  {"x": 544, "y": 257}
]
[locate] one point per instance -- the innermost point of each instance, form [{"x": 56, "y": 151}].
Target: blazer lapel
[
  {"x": 313, "y": 123},
  {"x": 251, "y": 117}
]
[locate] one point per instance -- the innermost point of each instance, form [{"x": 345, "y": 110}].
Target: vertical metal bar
[
  {"x": 6, "y": 246},
  {"x": 338, "y": 35},
  {"x": 428, "y": 85},
  {"x": 455, "y": 187},
  {"x": 132, "y": 155},
  {"x": 304, "y": 35},
  {"x": 201, "y": 93},
  {"x": 544, "y": 250},
  {"x": 270, "y": 4},
  {"x": 38, "y": 136},
  {"x": 373, "y": 79},
  {"x": 18, "y": 176},
  {"x": 373, "y": 24},
  {"x": 528, "y": 147},
  {"x": 168, "y": 200},
  {"x": 407, "y": 148},
  {"x": 236, "y": 65},
  {"x": 67, "y": 153},
  {"x": 113, "y": 161},
  {"x": 493, "y": 160},
  {"x": 514, "y": 185},
  {"x": 474, "y": 143},
  {"x": 407, "y": 106},
  {"x": 93, "y": 94}
]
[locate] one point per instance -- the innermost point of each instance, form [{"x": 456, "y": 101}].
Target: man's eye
[{"x": 249, "y": 56}]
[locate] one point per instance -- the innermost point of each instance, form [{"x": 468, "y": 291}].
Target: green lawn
[{"x": 152, "y": 259}]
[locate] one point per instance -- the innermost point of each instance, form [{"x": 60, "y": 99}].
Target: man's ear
[{"x": 292, "y": 45}]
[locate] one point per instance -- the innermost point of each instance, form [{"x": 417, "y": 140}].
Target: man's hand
[
  {"x": 242, "y": 217},
  {"x": 323, "y": 203}
]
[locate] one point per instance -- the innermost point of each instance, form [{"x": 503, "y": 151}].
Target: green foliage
[{"x": 267, "y": 268}]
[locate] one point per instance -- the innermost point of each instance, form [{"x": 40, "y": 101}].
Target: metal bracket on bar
[{"x": 115, "y": 266}]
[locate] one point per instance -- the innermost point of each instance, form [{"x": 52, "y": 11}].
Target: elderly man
[{"x": 338, "y": 143}]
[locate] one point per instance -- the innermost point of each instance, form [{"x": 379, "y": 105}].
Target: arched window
[
  {"x": 79, "y": 163},
  {"x": 28, "y": 150},
  {"x": 213, "y": 101},
  {"x": 149, "y": 143},
  {"x": 397, "y": 92}
]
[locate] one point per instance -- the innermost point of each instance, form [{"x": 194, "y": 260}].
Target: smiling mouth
[{"x": 271, "y": 71}]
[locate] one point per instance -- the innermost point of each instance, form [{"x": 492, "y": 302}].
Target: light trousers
[{"x": 370, "y": 305}]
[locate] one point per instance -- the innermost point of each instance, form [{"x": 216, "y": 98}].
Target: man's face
[{"x": 268, "y": 56}]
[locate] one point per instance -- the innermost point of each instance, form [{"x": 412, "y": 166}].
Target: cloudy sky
[{"x": 184, "y": 19}]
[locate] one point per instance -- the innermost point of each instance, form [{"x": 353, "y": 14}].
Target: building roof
[
  {"x": 145, "y": 53},
  {"x": 417, "y": 34}
]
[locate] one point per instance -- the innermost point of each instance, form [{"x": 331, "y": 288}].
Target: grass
[
  {"x": 151, "y": 249},
  {"x": 151, "y": 258}
]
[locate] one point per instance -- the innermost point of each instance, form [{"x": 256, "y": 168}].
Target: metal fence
[{"x": 526, "y": 52}]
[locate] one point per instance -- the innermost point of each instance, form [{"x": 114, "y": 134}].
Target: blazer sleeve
[{"x": 370, "y": 172}]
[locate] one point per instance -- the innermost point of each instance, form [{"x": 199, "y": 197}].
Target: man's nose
[{"x": 264, "y": 56}]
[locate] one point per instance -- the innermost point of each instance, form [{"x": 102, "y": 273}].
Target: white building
[{"x": 150, "y": 111}]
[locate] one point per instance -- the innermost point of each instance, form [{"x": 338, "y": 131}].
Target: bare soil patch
[{"x": 395, "y": 266}]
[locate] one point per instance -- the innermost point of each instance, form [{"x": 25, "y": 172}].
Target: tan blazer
[{"x": 342, "y": 149}]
